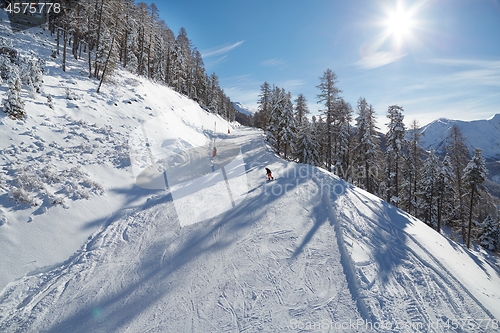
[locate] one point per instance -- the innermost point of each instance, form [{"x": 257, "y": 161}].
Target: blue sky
[{"x": 436, "y": 58}]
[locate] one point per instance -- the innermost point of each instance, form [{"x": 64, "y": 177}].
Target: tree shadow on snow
[
  {"x": 385, "y": 235},
  {"x": 194, "y": 245}
]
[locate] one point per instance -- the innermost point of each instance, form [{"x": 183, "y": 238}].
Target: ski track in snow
[
  {"x": 402, "y": 282},
  {"x": 245, "y": 271},
  {"x": 333, "y": 259}
]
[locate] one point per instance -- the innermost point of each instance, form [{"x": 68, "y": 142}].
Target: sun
[{"x": 399, "y": 24}]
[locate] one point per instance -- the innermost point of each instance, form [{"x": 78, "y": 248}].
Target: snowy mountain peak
[
  {"x": 495, "y": 118},
  {"x": 243, "y": 108},
  {"x": 483, "y": 134}
]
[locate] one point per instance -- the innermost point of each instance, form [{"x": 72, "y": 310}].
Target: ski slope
[
  {"x": 304, "y": 253},
  {"x": 306, "y": 250}
]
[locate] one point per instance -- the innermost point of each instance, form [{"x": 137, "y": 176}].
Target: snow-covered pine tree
[
  {"x": 328, "y": 96},
  {"x": 263, "y": 113},
  {"x": 110, "y": 62},
  {"x": 320, "y": 133},
  {"x": 222, "y": 106},
  {"x": 287, "y": 127},
  {"x": 4, "y": 67},
  {"x": 474, "y": 176},
  {"x": 278, "y": 100},
  {"x": 31, "y": 89},
  {"x": 367, "y": 150},
  {"x": 184, "y": 63},
  {"x": 428, "y": 190},
  {"x": 306, "y": 146},
  {"x": 446, "y": 192},
  {"x": 13, "y": 105},
  {"x": 155, "y": 51},
  {"x": 396, "y": 143},
  {"x": 411, "y": 171},
  {"x": 490, "y": 233},
  {"x": 34, "y": 74},
  {"x": 169, "y": 42},
  {"x": 130, "y": 60},
  {"x": 75, "y": 19},
  {"x": 110, "y": 32},
  {"x": 214, "y": 94},
  {"x": 342, "y": 139},
  {"x": 144, "y": 30},
  {"x": 199, "y": 86},
  {"x": 459, "y": 157},
  {"x": 301, "y": 110}
]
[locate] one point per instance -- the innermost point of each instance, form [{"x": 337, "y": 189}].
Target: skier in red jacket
[{"x": 269, "y": 174}]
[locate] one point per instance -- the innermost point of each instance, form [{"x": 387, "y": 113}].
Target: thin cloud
[
  {"x": 467, "y": 73},
  {"x": 492, "y": 64},
  {"x": 290, "y": 84},
  {"x": 379, "y": 59},
  {"x": 214, "y": 62},
  {"x": 372, "y": 56},
  {"x": 243, "y": 89},
  {"x": 220, "y": 49},
  {"x": 273, "y": 62}
]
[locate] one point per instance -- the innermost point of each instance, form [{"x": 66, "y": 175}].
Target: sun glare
[
  {"x": 400, "y": 34},
  {"x": 399, "y": 24}
]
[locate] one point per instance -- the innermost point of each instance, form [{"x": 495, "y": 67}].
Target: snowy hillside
[
  {"x": 128, "y": 225},
  {"x": 484, "y": 134},
  {"x": 67, "y": 169}
]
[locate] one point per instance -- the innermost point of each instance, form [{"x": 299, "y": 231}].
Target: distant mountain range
[
  {"x": 243, "y": 109},
  {"x": 484, "y": 134}
]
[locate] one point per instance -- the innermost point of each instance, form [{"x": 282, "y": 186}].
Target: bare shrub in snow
[
  {"x": 71, "y": 95},
  {"x": 3, "y": 218},
  {"x": 50, "y": 101},
  {"x": 20, "y": 196},
  {"x": 31, "y": 184}
]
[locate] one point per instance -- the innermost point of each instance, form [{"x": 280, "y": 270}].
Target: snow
[
  {"x": 214, "y": 247},
  {"x": 482, "y": 134},
  {"x": 243, "y": 108}
]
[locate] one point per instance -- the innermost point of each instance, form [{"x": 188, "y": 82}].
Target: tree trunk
[
  {"x": 98, "y": 39},
  {"x": 396, "y": 179},
  {"x": 141, "y": 56},
  {"x": 124, "y": 54},
  {"x": 64, "y": 51},
  {"x": 440, "y": 204},
  {"x": 367, "y": 176},
  {"x": 75, "y": 45},
  {"x": 89, "y": 50},
  {"x": 106, "y": 64},
  {"x": 461, "y": 207},
  {"x": 58, "y": 40},
  {"x": 150, "y": 74},
  {"x": 470, "y": 218}
]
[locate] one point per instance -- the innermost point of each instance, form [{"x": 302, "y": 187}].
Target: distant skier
[{"x": 269, "y": 174}]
